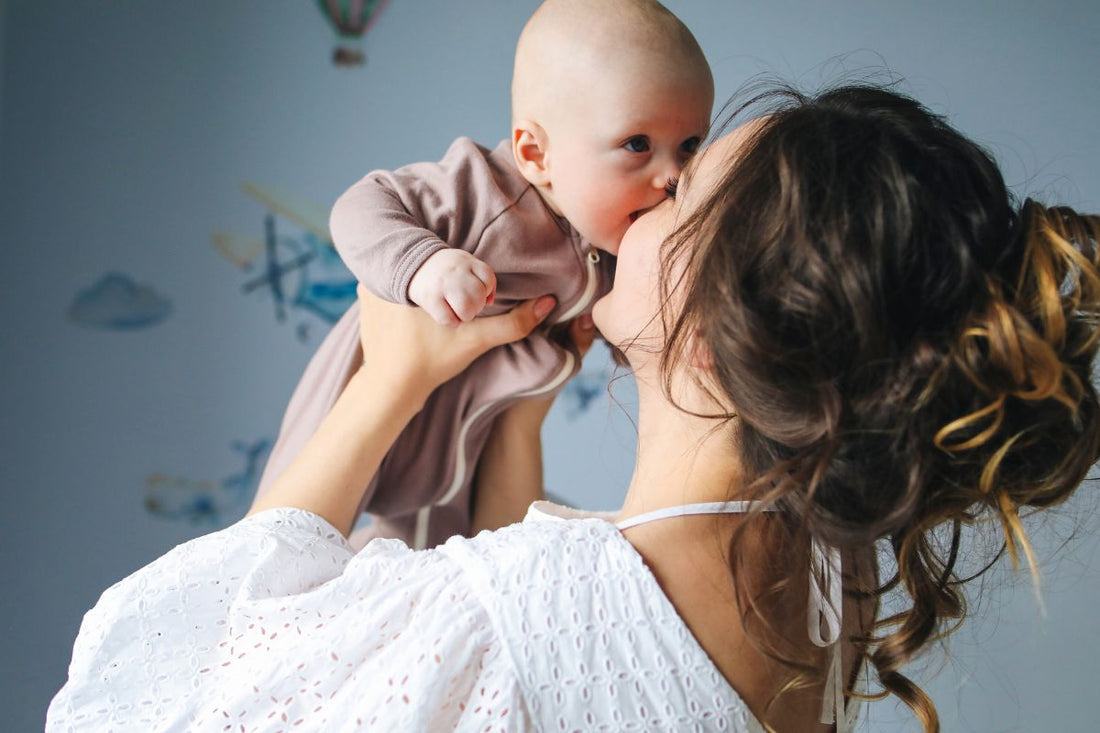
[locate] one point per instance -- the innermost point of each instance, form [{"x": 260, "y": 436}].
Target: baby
[{"x": 609, "y": 99}]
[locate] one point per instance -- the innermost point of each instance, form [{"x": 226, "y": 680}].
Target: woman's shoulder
[
  {"x": 240, "y": 620},
  {"x": 551, "y": 540}
]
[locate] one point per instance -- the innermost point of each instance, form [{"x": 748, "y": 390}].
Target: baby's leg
[{"x": 325, "y": 377}]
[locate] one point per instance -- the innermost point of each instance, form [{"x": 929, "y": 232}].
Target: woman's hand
[
  {"x": 406, "y": 350},
  {"x": 407, "y": 355}
]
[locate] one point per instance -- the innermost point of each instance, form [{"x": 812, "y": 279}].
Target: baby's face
[{"x": 618, "y": 145}]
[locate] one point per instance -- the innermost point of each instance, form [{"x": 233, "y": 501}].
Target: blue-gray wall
[
  {"x": 126, "y": 130},
  {"x": 3, "y": 18}
]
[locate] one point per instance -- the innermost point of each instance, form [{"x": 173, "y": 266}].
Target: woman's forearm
[
  {"x": 408, "y": 356},
  {"x": 331, "y": 473}
]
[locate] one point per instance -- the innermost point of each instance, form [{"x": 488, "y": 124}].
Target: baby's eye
[
  {"x": 690, "y": 146},
  {"x": 637, "y": 144},
  {"x": 670, "y": 187}
]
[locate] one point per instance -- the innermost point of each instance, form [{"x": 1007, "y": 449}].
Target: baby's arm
[{"x": 407, "y": 234}]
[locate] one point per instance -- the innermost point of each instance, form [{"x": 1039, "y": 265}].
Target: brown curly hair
[{"x": 907, "y": 351}]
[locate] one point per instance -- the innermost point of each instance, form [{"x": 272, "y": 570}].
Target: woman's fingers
[
  {"x": 584, "y": 332},
  {"x": 405, "y": 345},
  {"x": 511, "y": 326}
]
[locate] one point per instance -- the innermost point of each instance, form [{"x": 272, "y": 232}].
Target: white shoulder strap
[{"x": 711, "y": 507}]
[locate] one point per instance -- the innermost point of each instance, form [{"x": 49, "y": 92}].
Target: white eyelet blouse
[{"x": 554, "y": 624}]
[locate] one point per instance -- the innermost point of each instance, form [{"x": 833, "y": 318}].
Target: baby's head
[{"x": 609, "y": 100}]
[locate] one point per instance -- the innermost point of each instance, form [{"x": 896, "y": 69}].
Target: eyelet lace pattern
[{"x": 275, "y": 624}]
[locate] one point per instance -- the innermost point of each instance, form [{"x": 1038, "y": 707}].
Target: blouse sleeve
[{"x": 273, "y": 623}]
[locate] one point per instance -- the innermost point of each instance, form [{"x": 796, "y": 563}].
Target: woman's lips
[{"x": 634, "y": 215}]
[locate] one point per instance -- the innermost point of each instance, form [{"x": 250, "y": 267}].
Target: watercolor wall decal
[
  {"x": 117, "y": 302},
  {"x": 207, "y": 502},
  {"x": 351, "y": 19},
  {"x": 293, "y": 263}
]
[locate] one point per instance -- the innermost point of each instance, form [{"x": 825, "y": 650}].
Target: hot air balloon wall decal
[{"x": 351, "y": 19}]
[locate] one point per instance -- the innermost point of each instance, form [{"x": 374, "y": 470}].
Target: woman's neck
[{"x": 681, "y": 459}]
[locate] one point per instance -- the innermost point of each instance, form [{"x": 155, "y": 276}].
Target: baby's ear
[{"x": 529, "y": 148}]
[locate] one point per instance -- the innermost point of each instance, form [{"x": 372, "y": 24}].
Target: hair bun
[{"x": 1033, "y": 431}]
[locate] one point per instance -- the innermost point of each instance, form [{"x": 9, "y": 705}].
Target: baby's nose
[{"x": 668, "y": 169}]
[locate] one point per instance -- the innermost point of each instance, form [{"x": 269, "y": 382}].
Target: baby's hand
[{"x": 453, "y": 286}]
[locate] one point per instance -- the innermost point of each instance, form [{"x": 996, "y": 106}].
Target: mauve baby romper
[{"x": 384, "y": 227}]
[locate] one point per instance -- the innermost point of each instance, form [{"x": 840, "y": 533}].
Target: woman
[{"x": 843, "y": 334}]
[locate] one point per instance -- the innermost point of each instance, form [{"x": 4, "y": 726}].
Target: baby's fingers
[
  {"x": 441, "y": 312},
  {"x": 488, "y": 279},
  {"x": 468, "y": 296}
]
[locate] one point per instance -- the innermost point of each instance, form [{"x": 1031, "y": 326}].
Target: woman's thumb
[
  {"x": 541, "y": 308},
  {"x": 515, "y": 324}
]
